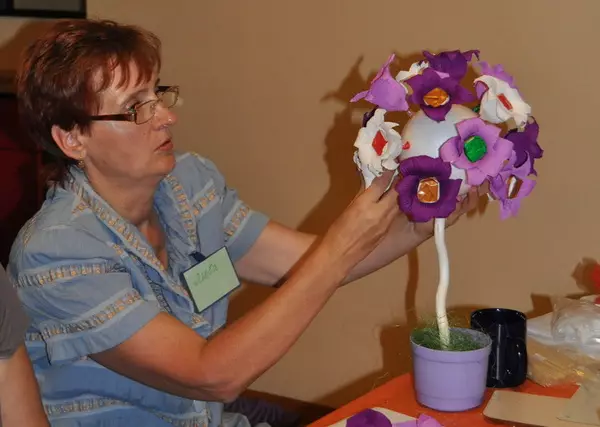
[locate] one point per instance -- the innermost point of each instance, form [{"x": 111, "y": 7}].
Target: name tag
[{"x": 211, "y": 279}]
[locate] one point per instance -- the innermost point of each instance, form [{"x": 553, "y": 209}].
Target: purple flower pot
[{"x": 451, "y": 381}]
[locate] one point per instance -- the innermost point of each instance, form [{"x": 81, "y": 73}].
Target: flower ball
[{"x": 461, "y": 135}]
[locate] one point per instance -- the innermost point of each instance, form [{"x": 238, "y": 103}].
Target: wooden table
[{"x": 398, "y": 395}]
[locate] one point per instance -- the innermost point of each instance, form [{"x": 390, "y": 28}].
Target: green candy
[{"x": 475, "y": 148}]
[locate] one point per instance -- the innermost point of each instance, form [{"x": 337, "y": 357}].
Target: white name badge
[{"x": 211, "y": 279}]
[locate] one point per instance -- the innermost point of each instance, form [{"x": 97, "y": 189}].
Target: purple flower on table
[
  {"x": 512, "y": 185},
  {"x": 451, "y": 63},
  {"x": 478, "y": 149},
  {"x": 422, "y": 421},
  {"x": 436, "y": 95},
  {"x": 385, "y": 91},
  {"x": 526, "y": 144},
  {"x": 497, "y": 71},
  {"x": 368, "y": 418},
  {"x": 426, "y": 190}
]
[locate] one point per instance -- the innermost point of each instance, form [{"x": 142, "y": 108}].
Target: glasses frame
[{"x": 132, "y": 116}]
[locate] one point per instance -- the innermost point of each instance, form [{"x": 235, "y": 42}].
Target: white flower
[
  {"x": 501, "y": 102},
  {"x": 415, "y": 69},
  {"x": 378, "y": 146}
]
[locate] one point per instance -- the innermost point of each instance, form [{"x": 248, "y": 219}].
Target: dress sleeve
[
  {"x": 241, "y": 225},
  {"x": 13, "y": 320},
  {"x": 78, "y": 293}
]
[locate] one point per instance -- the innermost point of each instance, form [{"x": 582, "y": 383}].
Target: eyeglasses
[{"x": 142, "y": 113}]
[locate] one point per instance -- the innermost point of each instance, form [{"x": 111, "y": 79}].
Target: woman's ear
[{"x": 68, "y": 142}]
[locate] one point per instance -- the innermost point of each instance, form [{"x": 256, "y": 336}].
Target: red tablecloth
[{"x": 398, "y": 395}]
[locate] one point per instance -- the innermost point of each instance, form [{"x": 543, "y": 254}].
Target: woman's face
[{"x": 125, "y": 151}]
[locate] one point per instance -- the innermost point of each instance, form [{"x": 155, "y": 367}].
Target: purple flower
[
  {"x": 526, "y": 145},
  {"x": 426, "y": 190},
  {"x": 368, "y": 116},
  {"x": 478, "y": 149},
  {"x": 422, "y": 421},
  {"x": 368, "y": 418},
  {"x": 511, "y": 186},
  {"x": 435, "y": 94},
  {"x": 452, "y": 63},
  {"x": 385, "y": 91},
  {"x": 497, "y": 71}
]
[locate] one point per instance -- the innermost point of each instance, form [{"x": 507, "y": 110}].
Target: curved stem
[{"x": 442, "y": 290}]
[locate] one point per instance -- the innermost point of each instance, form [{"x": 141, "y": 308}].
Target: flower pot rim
[{"x": 484, "y": 346}]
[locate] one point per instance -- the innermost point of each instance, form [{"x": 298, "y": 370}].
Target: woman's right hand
[{"x": 364, "y": 223}]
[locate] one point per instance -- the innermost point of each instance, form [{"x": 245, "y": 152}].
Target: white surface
[{"x": 393, "y": 416}]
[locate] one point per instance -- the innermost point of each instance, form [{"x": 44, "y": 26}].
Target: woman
[
  {"x": 20, "y": 403},
  {"x": 109, "y": 269}
]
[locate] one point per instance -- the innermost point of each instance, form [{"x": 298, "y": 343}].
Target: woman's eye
[{"x": 133, "y": 106}]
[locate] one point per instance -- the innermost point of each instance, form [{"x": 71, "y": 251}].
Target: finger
[
  {"x": 472, "y": 200},
  {"x": 379, "y": 185},
  {"x": 390, "y": 198},
  {"x": 484, "y": 188}
]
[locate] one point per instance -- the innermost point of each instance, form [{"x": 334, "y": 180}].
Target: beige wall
[{"x": 266, "y": 85}]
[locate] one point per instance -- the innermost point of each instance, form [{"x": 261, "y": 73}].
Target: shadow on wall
[{"x": 345, "y": 179}]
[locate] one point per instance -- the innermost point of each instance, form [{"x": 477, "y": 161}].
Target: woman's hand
[{"x": 364, "y": 223}]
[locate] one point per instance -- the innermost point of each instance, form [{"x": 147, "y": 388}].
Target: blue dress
[{"x": 89, "y": 280}]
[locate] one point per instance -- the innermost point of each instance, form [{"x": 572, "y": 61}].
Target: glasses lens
[
  {"x": 169, "y": 97},
  {"x": 144, "y": 112}
]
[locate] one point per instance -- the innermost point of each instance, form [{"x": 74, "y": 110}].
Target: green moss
[{"x": 427, "y": 335}]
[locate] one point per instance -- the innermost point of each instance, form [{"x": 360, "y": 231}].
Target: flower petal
[
  {"x": 425, "y": 167},
  {"x": 407, "y": 190},
  {"x": 462, "y": 95},
  {"x": 499, "y": 187},
  {"x": 469, "y": 127},
  {"x": 450, "y": 150},
  {"x": 448, "y": 193},
  {"x": 504, "y": 148},
  {"x": 427, "y": 421},
  {"x": 480, "y": 89},
  {"x": 419, "y": 85},
  {"x": 368, "y": 418},
  {"x": 526, "y": 188},
  {"x": 463, "y": 163},
  {"x": 423, "y": 83},
  {"x": 496, "y": 71},
  {"x": 437, "y": 114},
  {"x": 359, "y": 96},
  {"x": 388, "y": 94},
  {"x": 490, "y": 134},
  {"x": 475, "y": 176},
  {"x": 491, "y": 164},
  {"x": 423, "y": 212}
]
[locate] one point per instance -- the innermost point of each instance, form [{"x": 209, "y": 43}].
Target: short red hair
[{"x": 57, "y": 82}]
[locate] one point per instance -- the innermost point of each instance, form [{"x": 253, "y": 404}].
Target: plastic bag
[
  {"x": 576, "y": 323},
  {"x": 555, "y": 365},
  {"x": 573, "y": 357}
]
